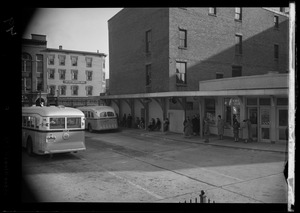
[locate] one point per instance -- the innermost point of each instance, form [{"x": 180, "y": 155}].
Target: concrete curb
[{"x": 203, "y": 143}]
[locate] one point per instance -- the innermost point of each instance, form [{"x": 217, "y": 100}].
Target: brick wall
[
  {"x": 211, "y": 43},
  {"x": 210, "y": 46},
  {"x": 127, "y": 55}
]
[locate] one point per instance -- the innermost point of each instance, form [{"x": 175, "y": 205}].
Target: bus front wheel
[
  {"x": 90, "y": 128},
  {"x": 29, "y": 148}
]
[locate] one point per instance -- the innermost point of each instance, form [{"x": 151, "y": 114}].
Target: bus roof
[
  {"x": 97, "y": 108},
  {"x": 49, "y": 111}
]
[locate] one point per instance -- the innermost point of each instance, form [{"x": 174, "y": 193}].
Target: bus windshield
[
  {"x": 57, "y": 123},
  {"x": 73, "y": 123}
]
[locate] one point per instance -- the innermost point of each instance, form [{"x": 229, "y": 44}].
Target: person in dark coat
[
  {"x": 151, "y": 124},
  {"x": 166, "y": 125},
  {"x": 206, "y": 131},
  {"x": 220, "y": 126},
  {"x": 158, "y": 124},
  {"x": 236, "y": 128},
  {"x": 194, "y": 122},
  {"x": 124, "y": 120},
  {"x": 129, "y": 120},
  {"x": 187, "y": 127}
]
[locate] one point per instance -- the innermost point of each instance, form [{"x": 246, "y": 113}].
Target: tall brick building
[{"x": 163, "y": 62}]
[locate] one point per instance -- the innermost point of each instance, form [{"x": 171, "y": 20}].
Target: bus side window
[
  {"x": 102, "y": 114},
  {"x": 37, "y": 122},
  {"x": 32, "y": 122},
  {"x": 28, "y": 121},
  {"x": 92, "y": 114}
]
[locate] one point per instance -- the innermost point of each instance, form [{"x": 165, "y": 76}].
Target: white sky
[{"x": 82, "y": 29}]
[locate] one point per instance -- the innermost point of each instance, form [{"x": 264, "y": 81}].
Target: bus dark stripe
[{"x": 54, "y": 130}]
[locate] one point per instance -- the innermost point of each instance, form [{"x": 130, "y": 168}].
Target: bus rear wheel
[
  {"x": 29, "y": 148},
  {"x": 90, "y": 128}
]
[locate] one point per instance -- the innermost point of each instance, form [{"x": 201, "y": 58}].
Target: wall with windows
[
  {"x": 74, "y": 74},
  {"x": 138, "y": 38},
  {"x": 227, "y": 41}
]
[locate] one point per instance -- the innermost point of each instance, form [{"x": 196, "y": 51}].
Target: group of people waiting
[{"x": 194, "y": 128}]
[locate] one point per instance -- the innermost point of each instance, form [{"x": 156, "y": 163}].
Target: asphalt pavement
[{"x": 214, "y": 140}]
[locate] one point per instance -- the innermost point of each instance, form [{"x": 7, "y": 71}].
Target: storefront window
[
  {"x": 265, "y": 101},
  {"x": 282, "y": 101},
  {"x": 210, "y": 110},
  {"x": 251, "y": 101},
  {"x": 232, "y": 109}
]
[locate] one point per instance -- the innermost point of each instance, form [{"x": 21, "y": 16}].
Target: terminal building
[
  {"x": 177, "y": 62},
  {"x": 60, "y": 76}
]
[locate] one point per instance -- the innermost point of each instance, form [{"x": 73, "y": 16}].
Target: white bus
[
  {"x": 52, "y": 129},
  {"x": 99, "y": 118}
]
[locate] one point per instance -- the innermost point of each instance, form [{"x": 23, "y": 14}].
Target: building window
[
  {"x": 276, "y": 52},
  {"x": 282, "y": 101},
  {"x": 276, "y": 22},
  {"x": 210, "y": 110},
  {"x": 74, "y": 60},
  {"x": 238, "y": 13},
  {"x": 62, "y": 74},
  {"x": 148, "y": 74},
  {"x": 231, "y": 110},
  {"x": 265, "y": 102},
  {"x": 51, "y": 73},
  {"x": 89, "y": 75},
  {"x": 74, "y": 89},
  {"x": 26, "y": 62},
  {"x": 39, "y": 63},
  {"x": 74, "y": 74},
  {"x": 62, "y": 90},
  {"x": 181, "y": 73},
  {"x": 51, "y": 59},
  {"x": 182, "y": 38},
  {"x": 251, "y": 101},
  {"x": 148, "y": 41},
  {"x": 212, "y": 11},
  {"x": 62, "y": 60},
  {"x": 238, "y": 45},
  {"x": 39, "y": 84},
  {"x": 219, "y": 75},
  {"x": 236, "y": 71},
  {"x": 89, "y": 90},
  {"x": 52, "y": 90},
  {"x": 88, "y": 61}
]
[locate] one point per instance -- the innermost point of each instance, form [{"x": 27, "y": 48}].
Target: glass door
[
  {"x": 252, "y": 115},
  {"x": 265, "y": 124},
  {"x": 282, "y": 124}
]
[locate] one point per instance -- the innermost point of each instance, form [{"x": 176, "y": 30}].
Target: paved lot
[{"x": 135, "y": 166}]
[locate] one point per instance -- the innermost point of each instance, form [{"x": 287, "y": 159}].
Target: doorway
[
  {"x": 252, "y": 115},
  {"x": 264, "y": 124},
  {"x": 282, "y": 124}
]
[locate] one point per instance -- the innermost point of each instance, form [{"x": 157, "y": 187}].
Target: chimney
[{"x": 60, "y": 47}]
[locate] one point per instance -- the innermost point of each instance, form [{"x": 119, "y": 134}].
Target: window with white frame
[
  {"x": 89, "y": 90},
  {"x": 74, "y": 74},
  {"x": 89, "y": 75},
  {"x": 62, "y": 60},
  {"x": 26, "y": 62},
  {"x": 74, "y": 89},
  {"x": 238, "y": 13},
  {"x": 62, "y": 74},
  {"x": 62, "y": 89},
  {"x": 51, "y": 73},
  {"x": 39, "y": 63},
  {"x": 51, "y": 59},
  {"x": 276, "y": 52},
  {"x": 276, "y": 22},
  {"x": 182, "y": 38},
  {"x": 181, "y": 73},
  {"x": 74, "y": 60},
  {"x": 88, "y": 61},
  {"x": 238, "y": 44},
  {"x": 52, "y": 90},
  {"x": 212, "y": 11}
]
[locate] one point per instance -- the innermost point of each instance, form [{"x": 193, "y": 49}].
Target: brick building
[
  {"x": 76, "y": 77},
  {"x": 160, "y": 58}
]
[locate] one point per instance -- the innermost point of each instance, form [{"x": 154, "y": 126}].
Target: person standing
[
  {"x": 124, "y": 120},
  {"x": 187, "y": 127},
  {"x": 158, "y": 124},
  {"x": 194, "y": 122},
  {"x": 236, "y": 127},
  {"x": 247, "y": 130},
  {"x": 166, "y": 125},
  {"x": 206, "y": 131},
  {"x": 220, "y": 127},
  {"x": 151, "y": 125}
]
